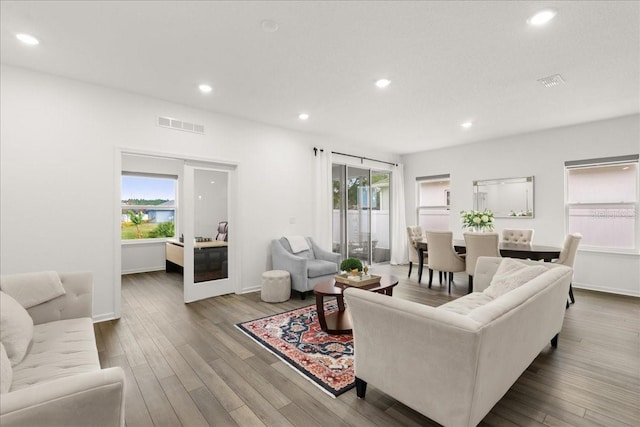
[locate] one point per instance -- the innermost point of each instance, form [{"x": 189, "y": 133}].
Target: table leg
[
  {"x": 340, "y": 301},
  {"x": 320, "y": 310}
]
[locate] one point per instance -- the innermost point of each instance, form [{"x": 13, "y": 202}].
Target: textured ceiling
[{"x": 449, "y": 62}]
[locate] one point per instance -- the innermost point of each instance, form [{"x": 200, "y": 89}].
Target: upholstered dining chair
[
  {"x": 519, "y": 236},
  {"x": 442, "y": 256},
  {"x": 414, "y": 233},
  {"x": 568, "y": 257},
  {"x": 479, "y": 244}
]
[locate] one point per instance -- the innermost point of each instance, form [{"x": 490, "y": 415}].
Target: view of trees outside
[{"x": 148, "y": 207}]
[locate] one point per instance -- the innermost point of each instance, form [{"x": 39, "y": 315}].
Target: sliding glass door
[{"x": 361, "y": 220}]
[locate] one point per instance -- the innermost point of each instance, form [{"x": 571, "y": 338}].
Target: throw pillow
[
  {"x": 6, "y": 373},
  {"x": 511, "y": 277},
  {"x": 16, "y": 328},
  {"x": 31, "y": 289}
]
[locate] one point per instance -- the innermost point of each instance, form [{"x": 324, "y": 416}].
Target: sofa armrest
[
  {"x": 424, "y": 357},
  {"x": 76, "y": 303},
  {"x": 89, "y": 399},
  {"x": 326, "y": 255}
]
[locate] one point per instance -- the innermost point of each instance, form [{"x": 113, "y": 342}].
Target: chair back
[
  {"x": 442, "y": 256},
  {"x": 223, "y": 231},
  {"x": 480, "y": 244},
  {"x": 414, "y": 233},
  {"x": 520, "y": 236},
  {"x": 569, "y": 250}
]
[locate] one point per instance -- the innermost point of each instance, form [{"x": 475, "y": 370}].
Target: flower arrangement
[{"x": 477, "y": 220}]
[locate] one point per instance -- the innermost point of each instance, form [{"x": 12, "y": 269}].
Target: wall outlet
[{"x": 292, "y": 220}]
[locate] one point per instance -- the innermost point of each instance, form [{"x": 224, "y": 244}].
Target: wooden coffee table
[{"x": 339, "y": 322}]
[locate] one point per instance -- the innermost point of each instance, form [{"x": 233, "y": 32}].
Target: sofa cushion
[
  {"x": 319, "y": 267},
  {"x": 467, "y": 303},
  {"x": 16, "y": 328},
  {"x": 60, "y": 349},
  {"x": 510, "y": 275},
  {"x": 6, "y": 373},
  {"x": 31, "y": 289}
]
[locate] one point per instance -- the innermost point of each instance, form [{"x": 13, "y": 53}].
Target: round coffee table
[{"x": 339, "y": 322}]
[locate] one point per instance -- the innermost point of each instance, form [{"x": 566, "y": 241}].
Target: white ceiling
[{"x": 449, "y": 62}]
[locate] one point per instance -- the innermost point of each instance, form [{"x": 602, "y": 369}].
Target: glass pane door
[
  {"x": 361, "y": 213},
  {"x": 208, "y": 234}
]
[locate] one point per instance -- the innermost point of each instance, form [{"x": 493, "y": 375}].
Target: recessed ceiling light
[
  {"x": 27, "y": 39},
  {"x": 303, "y": 116},
  {"x": 382, "y": 83},
  {"x": 269, "y": 26},
  {"x": 204, "y": 88},
  {"x": 467, "y": 125},
  {"x": 542, "y": 17}
]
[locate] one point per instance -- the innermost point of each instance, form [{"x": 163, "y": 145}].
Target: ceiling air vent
[
  {"x": 551, "y": 81},
  {"x": 171, "y": 123}
]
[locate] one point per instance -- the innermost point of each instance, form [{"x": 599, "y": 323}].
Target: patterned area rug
[{"x": 296, "y": 338}]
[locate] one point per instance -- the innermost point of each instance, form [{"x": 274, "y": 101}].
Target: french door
[
  {"x": 207, "y": 260},
  {"x": 361, "y": 221}
]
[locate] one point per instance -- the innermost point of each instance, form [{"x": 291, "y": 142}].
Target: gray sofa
[
  {"x": 453, "y": 363},
  {"x": 308, "y": 267},
  {"x": 59, "y": 382}
]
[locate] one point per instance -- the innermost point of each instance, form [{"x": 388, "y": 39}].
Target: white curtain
[
  {"x": 323, "y": 200},
  {"x": 399, "y": 251}
]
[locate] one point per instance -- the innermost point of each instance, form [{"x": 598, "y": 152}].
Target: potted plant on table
[{"x": 352, "y": 266}]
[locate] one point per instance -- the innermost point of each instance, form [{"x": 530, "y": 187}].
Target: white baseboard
[
  {"x": 144, "y": 270},
  {"x": 250, "y": 290},
  {"x": 104, "y": 317},
  {"x": 608, "y": 290}
]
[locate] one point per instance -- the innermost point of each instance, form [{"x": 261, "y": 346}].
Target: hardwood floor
[{"x": 186, "y": 364}]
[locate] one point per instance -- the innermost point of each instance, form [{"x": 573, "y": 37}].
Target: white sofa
[
  {"x": 453, "y": 363},
  {"x": 59, "y": 381}
]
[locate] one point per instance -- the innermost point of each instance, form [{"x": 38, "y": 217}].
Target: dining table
[{"x": 507, "y": 250}]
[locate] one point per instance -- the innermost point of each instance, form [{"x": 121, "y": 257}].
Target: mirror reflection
[
  {"x": 506, "y": 198},
  {"x": 211, "y": 228}
]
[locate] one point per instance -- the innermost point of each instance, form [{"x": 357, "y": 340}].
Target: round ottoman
[{"x": 276, "y": 286}]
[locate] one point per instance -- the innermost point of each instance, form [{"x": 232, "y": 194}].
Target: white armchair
[{"x": 307, "y": 267}]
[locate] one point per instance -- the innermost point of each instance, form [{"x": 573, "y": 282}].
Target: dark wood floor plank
[{"x": 187, "y": 364}]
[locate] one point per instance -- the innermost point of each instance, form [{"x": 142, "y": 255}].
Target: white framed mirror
[{"x": 506, "y": 197}]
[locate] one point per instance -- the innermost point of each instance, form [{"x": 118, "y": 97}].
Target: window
[
  {"x": 148, "y": 206},
  {"x": 433, "y": 202},
  {"x": 602, "y": 202}
]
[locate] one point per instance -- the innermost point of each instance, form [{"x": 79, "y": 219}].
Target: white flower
[
  {"x": 476, "y": 220},
  {"x": 485, "y": 218}
]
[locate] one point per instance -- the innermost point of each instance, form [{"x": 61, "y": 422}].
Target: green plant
[
  {"x": 164, "y": 229},
  {"x": 137, "y": 219},
  {"x": 351, "y": 264}
]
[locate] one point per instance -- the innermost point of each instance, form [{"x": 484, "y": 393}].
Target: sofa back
[{"x": 77, "y": 302}]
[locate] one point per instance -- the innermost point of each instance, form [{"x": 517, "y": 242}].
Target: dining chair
[
  {"x": 479, "y": 244},
  {"x": 414, "y": 233},
  {"x": 223, "y": 231},
  {"x": 442, "y": 256},
  {"x": 520, "y": 236},
  {"x": 568, "y": 257}
]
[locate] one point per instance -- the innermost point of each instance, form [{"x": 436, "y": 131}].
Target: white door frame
[{"x": 232, "y": 166}]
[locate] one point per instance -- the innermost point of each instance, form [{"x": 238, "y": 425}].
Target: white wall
[
  {"x": 59, "y": 190},
  {"x": 541, "y": 154}
]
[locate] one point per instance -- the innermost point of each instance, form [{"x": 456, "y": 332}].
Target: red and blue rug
[{"x": 296, "y": 338}]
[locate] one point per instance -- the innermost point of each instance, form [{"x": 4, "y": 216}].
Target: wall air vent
[
  {"x": 551, "y": 81},
  {"x": 171, "y": 123}
]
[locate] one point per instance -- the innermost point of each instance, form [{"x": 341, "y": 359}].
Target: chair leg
[
  {"x": 440, "y": 277},
  {"x": 430, "y": 277},
  {"x": 410, "y": 266},
  {"x": 554, "y": 341},
  {"x": 450, "y": 281},
  {"x": 573, "y": 300},
  {"x": 303, "y": 295},
  {"x": 470, "y": 283}
]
